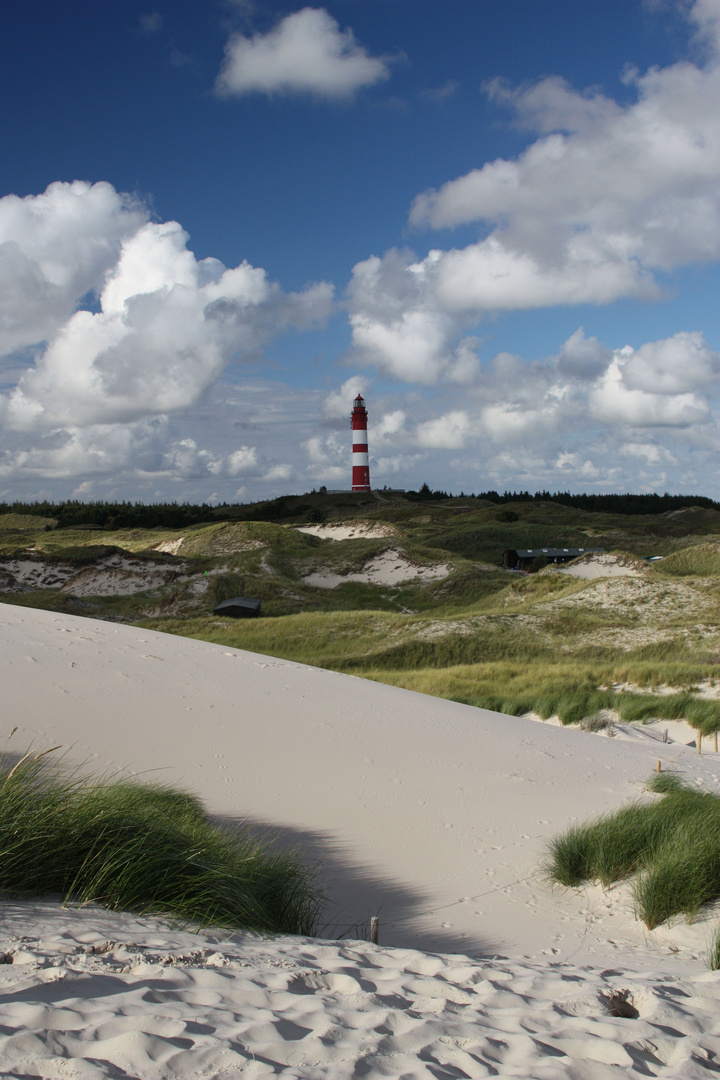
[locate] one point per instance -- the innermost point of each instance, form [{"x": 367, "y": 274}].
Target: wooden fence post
[{"x": 374, "y": 927}]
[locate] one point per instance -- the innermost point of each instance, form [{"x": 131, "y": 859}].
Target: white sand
[
  {"x": 390, "y": 567},
  {"x": 662, "y": 731},
  {"x": 429, "y": 813},
  {"x": 111, "y": 575},
  {"x": 593, "y": 566},
  {"x": 170, "y": 547},
  {"x": 351, "y": 530},
  {"x": 92, "y": 994}
]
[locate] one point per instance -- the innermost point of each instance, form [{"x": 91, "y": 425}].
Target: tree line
[
  {"x": 650, "y": 503},
  {"x": 115, "y": 515},
  {"x": 130, "y": 515}
]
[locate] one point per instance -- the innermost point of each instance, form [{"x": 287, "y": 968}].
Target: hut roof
[
  {"x": 244, "y": 603},
  {"x": 555, "y": 553}
]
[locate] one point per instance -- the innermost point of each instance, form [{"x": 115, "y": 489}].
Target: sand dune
[
  {"x": 109, "y": 575},
  {"x": 93, "y": 994},
  {"x": 429, "y": 813},
  {"x": 391, "y": 567},
  {"x": 350, "y": 530},
  {"x": 595, "y": 565}
]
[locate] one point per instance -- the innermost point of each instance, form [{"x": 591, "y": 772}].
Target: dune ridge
[{"x": 430, "y": 813}]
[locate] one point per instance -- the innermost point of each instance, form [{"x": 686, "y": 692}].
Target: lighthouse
[{"x": 360, "y": 460}]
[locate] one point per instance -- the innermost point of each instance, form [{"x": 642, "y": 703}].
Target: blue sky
[{"x": 219, "y": 220}]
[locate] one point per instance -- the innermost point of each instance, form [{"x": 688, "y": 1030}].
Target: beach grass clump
[
  {"x": 141, "y": 847},
  {"x": 704, "y": 715},
  {"x": 671, "y": 847},
  {"x": 713, "y": 956}
]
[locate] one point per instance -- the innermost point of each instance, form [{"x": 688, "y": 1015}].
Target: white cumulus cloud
[
  {"x": 670, "y": 383},
  {"x": 616, "y": 191},
  {"x": 605, "y": 200},
  {"x": 676, "y": 365},
  {"x": 242, "y": 460},
  {"x": 278, "y": 472},
  {"x": 306, "y": 52},
  {"x": 55, "y": 248},
  {"x": 399, "y": 324},
  {"x": 448, "y": 432},
  {"x": 389, "y": 425},
  {"x": 616, "y": 400},
  {"x": 338, "y": 404},
  {"x": 583, "y": 358},
  {"x": 651, "y": 453},
  {"x": 167, "y": 326}
]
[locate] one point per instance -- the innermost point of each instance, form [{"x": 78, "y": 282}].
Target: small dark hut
[
  {"x": 240, "y": 607},
  {"x": 523, "y": 558}
]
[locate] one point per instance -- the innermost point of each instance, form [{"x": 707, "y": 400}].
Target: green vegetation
[
  {"x": 144, "y": 848},
  {"x": 713, "y": 959},
  {"x": 173, "y": 515},
  {"x": 489, "y": 660},
  {"x": 700, "y": 560},
  {"x": 670, "y": 847},
  {"x": 21, "y": 522},
  {"x": 647, "y": 646}
]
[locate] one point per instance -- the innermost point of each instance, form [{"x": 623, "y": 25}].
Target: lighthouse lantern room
[{"x": 360, "y": 459}]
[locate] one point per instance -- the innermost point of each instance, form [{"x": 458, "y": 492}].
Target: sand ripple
[{"x": 96, "y": 994}]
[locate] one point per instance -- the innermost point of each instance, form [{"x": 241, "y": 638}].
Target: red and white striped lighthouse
[{"x": 360, "y": 459}]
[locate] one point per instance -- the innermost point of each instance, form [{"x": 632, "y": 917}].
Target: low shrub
[
  {"x": 599, "y": 721},
  {"x": 144, "y": 848}
]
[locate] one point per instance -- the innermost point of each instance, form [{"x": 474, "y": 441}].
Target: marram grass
[
  {"x": 713, "y": 955},
  {"x": 671, "y": 849},
  {"x": 139, "y": 847}
]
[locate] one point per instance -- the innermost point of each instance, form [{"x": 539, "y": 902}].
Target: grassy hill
[{"x": 450, "y": 622}]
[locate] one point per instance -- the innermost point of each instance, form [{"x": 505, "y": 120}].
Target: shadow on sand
[{"x": 355, "y": 892}]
